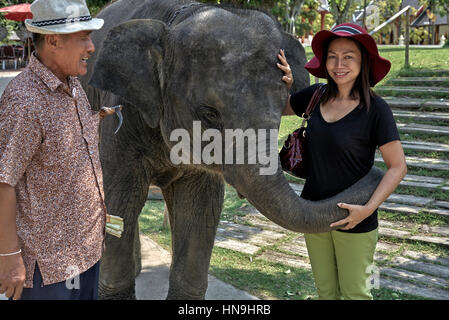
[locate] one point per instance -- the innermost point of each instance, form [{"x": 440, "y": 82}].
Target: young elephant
[{"x": 171, "y": 63}]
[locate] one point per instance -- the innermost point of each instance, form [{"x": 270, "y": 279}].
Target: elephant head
[{"x": 219, "y": 69}]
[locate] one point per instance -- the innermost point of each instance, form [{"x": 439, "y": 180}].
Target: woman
[{"x": 342, "y": 135}]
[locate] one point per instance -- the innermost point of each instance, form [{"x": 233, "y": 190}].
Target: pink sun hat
[{"x": 379, "y": 67}]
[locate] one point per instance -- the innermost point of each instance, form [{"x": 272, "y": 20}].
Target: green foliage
[
  {"x": 264, "y": 4},
  {"x": 418, "y": 35},
  {"x": 296, "y": 16},
  {"x": 5, "y": 3},
  {"x": 442, "y": 7},
  {"x": 96, "y": 5},
  {"x": 342, "y": 9},
  {"x": 310, "y": 14}
]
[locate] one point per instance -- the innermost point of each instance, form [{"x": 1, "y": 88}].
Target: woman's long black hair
[{"x": 361, "y": 86}]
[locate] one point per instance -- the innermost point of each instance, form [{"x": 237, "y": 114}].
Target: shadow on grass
[
  {"x": 297, "y": 284},
  {"x": 263, "y": 279}
]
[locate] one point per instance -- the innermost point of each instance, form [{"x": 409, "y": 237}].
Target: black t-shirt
[{"x": 342, "y": 152}]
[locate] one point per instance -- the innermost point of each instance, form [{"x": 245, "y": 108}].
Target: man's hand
[
  {"x": 288, "y": 77},
  {"x": 12, "y": 276},
  {"x": 105, "y": 111},
  {"x": 12, "y": 269}
]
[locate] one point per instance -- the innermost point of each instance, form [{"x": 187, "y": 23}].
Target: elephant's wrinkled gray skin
[{"x": 211, "y": 64}]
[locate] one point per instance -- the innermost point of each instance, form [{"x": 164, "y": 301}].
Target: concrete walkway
[
  {"x": 152, "y": 282},
  {"x": 6, "y": 76}
]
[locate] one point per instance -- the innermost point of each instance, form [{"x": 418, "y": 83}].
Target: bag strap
[{"x": 315, "y": 98}]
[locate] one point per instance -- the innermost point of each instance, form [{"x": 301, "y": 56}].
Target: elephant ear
[
  {"x": 296, "y": 58},
  {"x": 129, "y": 63}
]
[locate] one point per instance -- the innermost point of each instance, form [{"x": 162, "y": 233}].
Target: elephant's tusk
[{"x": 118, "y": 112}]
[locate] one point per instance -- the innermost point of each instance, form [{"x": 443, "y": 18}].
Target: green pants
[{"x": 342, "y": 263}]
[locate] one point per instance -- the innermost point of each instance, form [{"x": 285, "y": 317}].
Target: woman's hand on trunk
[{"x": 356, "y": 215}]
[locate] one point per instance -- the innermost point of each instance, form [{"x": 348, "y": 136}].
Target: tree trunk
[
  {"x": 291, "y": 14},
  {"x": 407, "y": 39},
  {"x": 166, "y": 222},
  {"x": 364, "y": 15},
  {"x": 340, "y": 14},
  {"x": 346, "y": 11}
]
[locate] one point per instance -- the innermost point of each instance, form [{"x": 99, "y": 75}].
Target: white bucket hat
[{"x": 61, "y": 17}]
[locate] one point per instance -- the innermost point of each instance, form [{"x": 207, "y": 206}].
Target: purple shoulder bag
[{"x": 292, "y": 153}]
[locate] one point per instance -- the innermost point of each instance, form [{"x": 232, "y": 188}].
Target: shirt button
[{"x": 91, "y": 152}]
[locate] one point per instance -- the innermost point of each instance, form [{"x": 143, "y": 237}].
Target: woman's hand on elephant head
[{"x": 284, "y": 66}]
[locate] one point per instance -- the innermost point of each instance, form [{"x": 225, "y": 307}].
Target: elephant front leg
[
  {"x": 194, "y": 204},
  {"x": 126, "y": 190}
]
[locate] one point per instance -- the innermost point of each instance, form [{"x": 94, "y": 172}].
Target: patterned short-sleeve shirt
[{"x": 49, "y": 154}]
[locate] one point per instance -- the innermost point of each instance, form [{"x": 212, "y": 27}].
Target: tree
[
  {"x": 365, "y": 4},
  {"x": 262, "y": 4},
  {"x": 341, "y": 9},
  {"x": 96, "y": 5},
  {"x": 309, "y": 14},
  {"x": 386, "y": 9},
  {"x": 443, "y": 7},
  {"x": 288, "y": 12}
]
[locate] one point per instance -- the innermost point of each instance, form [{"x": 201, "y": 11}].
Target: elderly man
[{"x": 52, "y": 212}]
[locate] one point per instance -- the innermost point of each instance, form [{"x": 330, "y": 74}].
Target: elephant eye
[{"x": 209, "y": 116}]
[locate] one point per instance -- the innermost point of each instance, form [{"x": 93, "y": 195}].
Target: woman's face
[{"x": 344, "y": 61}]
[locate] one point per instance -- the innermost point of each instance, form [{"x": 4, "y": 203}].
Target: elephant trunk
[{"x": 276, "y": 200}]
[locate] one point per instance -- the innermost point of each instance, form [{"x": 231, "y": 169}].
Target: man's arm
[{"x": 12, "y": 269}]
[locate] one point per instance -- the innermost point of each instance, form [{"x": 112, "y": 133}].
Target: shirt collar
[{"x": 48, "y": 77}]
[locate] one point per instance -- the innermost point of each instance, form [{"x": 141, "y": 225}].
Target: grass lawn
[
  {"x": 428, "y": 137},
  {"x": 420, "y": 172}
]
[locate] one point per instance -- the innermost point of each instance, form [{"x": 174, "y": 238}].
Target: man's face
[{"x": 72, "y": 53}]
